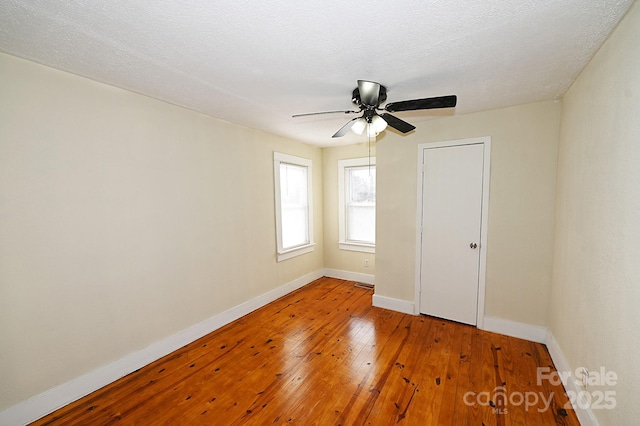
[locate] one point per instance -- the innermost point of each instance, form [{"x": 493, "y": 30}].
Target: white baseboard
[
  {"x": 585, "y": 414},
  {"x": 390, "y": 303},
  {"x": 59, "y": 396},
  {"x": 544, "y": 335},
  {"x": 350, "y": 276},
  {"x": 515, "y": 329}
]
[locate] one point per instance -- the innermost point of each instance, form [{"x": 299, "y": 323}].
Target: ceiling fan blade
[
  {"x": 426, "y": 103},
  {"x": 397, "y": 124},
  {"x": 344, "y": 129},
  {"x": 369, "y": 92},
  {"x": 325, "y": 112}
]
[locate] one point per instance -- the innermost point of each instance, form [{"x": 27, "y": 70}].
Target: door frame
[{"x": 482, "y": 273}]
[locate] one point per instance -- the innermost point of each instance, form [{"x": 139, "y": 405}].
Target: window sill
[
  {"x": 297, "y": 251},
  {"x": 365, "y": 248}
]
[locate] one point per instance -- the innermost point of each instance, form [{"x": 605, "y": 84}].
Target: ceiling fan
[{"x": 368, "y": 96}]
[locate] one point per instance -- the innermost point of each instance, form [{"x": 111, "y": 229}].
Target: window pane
[
  {"x": 294, "y": 208},
  {"x": 361, "y": 202},
  {"x": 362, "y": 184},
  {"x": 362, "y": 224}
]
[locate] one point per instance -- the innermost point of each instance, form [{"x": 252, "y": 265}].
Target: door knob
[{"x": 473, "y": 245}]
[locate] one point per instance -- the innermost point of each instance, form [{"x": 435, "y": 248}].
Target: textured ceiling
[{"x": 257, "y": 63}]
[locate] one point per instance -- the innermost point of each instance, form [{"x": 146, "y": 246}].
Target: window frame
[
  {"x": 343, "y": 243},
  {"x": 287, "y": 253}
]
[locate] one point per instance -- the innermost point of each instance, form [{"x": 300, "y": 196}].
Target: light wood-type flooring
[{"x": 323, "y": 355}]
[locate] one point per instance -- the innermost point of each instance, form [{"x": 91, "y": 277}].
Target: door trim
[{"x": 482, "y": 273}]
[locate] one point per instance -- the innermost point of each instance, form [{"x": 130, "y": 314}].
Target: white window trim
[
  {"x": 283, "y": 254},
  {"x": 343, "y": 244}
]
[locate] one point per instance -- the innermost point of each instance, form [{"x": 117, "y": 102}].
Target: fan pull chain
[{"x": 369, "y": 147}]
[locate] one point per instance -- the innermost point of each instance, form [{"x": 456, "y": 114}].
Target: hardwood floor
[{"x": 324, "y": 356}]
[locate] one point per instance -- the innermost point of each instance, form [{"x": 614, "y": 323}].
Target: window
[
  {"x": 357, "y": 204},
  {"x": 294, "y": 220}
]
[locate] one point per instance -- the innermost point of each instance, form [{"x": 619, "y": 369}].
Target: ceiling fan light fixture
[
  {"x": 378, "y": 123},
  {"x": 359, "y": 125},
  {"x": 371, "y": 131}
]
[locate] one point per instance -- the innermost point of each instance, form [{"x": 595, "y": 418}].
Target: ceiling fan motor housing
[{"x": 382, "y": 97}]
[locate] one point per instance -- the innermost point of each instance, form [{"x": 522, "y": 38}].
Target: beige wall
[
  {"x": 521, "y": 207},
  {"x": 595, "y": 303},
  {"x": 334, "y": 258},
  {"x": 122, "y": 221}
]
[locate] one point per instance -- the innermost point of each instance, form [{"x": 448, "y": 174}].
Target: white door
[{"x": 451, "y": 224}]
